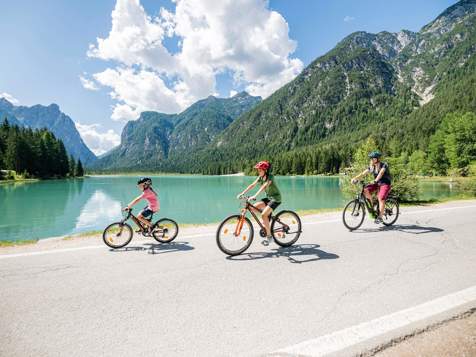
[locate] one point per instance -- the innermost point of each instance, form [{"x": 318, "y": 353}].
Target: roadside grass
[
  {"x": 13, "y": 243},
  {"x": 83, "y": 235}
]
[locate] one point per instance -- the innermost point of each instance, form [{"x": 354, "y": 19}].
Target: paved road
[{"x": 188, "y": 299}]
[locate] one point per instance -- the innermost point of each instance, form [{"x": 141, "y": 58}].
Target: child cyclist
[
  {"x": 273, "y": 195},
  {"x": 381, "y": 184},
  {"x": 150, "y": 195}
]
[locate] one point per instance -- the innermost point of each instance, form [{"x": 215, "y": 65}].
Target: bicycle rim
[
  {"x": 353, "y": 215},
  {"x": 234, "y": 235},
  {"x": 392, "y": 210},
  {"x": 165, "y": 230},
  {"x": 286, "y": 228},
  {"x": 117, "y": 235}
]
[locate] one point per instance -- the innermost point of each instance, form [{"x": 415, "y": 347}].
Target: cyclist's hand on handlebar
[
  {"x": 252, "y": 198},
  {"x": 127, "y": 208},
  {"x": 239, "y": 196},
  {"x": 353, "y": 181}
]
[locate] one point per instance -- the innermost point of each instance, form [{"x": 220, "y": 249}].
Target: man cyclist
[{"x": 382, "y": 182}]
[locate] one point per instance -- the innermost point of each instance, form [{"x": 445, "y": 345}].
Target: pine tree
[
  {"x": 72, "y": 166},
  {"x": 79, "y": 169}
]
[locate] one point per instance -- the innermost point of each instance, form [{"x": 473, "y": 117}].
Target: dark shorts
[
  {"x": 146, "y": 212},
  {"x": 271, "y": 203},
  {"x": 383, "y": 190}
]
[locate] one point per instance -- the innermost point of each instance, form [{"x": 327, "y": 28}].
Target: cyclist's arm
[
  {"x": 134, "y": 201},
  {"x": 363, "y": 173},
  {"x": 249, "y": 187},
  {"x": 380, "y": 174},
  {"x": 262, "y": 188}
]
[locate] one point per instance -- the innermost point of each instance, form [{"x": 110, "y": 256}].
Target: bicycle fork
[{"x": 240, "y": 223}]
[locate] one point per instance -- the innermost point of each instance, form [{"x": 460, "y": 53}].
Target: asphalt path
[{"x": 79, "y": 298}]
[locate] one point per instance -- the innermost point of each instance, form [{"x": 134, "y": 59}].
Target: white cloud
[
  {"x": 349, "y": 18},
  {"x": 88, "y": 84},
  {"x": 98, "y": 142},
  {"x": 10, "y": 98},
  {"x": 233, "y": 93},
  {"x": 244, "y": 37}
]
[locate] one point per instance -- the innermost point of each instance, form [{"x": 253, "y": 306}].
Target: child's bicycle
[
  {"x": 235, "y": 233},
  {"x": 119, "y": 234},
  {"x": 354, "y": 212}
]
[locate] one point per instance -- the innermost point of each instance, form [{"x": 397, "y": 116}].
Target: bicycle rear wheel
[
  {"x": 165, "y": 230},
  {"x": 286, "y": 228},
  {"x": 234, "y": 235},
  {"x": 392, "y": 210},
  {"x": 117, "y": 235},
  {"x": 353, "y": 215}
]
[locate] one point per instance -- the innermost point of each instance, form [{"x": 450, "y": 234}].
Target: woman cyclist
[
  {"x": 272, "y": 199},
  {"x": 144, "y": 184},
  {"x": 382, "y": 182}
]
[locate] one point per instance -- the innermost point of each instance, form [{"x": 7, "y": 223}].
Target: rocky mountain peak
[{"x": 453, "y": 15}]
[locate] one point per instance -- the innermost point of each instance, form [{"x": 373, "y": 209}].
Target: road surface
[{"x": 79, "y": 298}]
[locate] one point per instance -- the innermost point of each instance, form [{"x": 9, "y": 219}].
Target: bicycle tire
[
  {"x": 361, "y": 212},
  {"x": 392, "y": 204},
  {"x": 159, "y": 236},
  {"x": 109, "y": 242},
  {"x": 296, "y": 221},
  {"x": 219, "y": 238}
]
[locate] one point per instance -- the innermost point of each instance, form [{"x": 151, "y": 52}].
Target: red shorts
[{"x": 383, "y": 190}]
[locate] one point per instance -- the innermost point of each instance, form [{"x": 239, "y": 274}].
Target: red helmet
[{"x": 263, "y": 165}]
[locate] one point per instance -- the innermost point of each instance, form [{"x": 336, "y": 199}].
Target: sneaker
[
  {"x": 266, "y": 241},
  {"x": 378, "y": 220}
]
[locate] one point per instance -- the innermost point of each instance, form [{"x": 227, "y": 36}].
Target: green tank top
[{"x": 272, "y": 191}]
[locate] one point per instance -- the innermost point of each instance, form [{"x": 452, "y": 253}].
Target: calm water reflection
[{"x": 54, "y": 208}]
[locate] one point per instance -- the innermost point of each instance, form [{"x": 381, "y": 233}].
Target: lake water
[{"x": 52, "y": 208}]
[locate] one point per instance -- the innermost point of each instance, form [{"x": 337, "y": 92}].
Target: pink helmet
[{"x": 263, "y": 165}]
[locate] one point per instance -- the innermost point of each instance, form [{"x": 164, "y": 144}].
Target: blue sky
[{"x": 45, "y": 46}]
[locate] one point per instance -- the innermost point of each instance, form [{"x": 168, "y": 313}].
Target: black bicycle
[
  {"x": 354, "y": 212},
  {"x": 119, "y": 234},
  {"x": 236, "y": 232}
]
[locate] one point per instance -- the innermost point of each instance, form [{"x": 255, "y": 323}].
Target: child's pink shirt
[{"x": 151, "y": 197}]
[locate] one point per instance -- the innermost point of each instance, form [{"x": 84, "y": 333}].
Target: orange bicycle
[{"x": 235, "y": 233}]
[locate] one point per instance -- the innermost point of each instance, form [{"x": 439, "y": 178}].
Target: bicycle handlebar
[{"x": 246, "y": 198}]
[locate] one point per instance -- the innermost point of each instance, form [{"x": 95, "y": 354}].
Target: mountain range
[
  {"x": 158, "y": 140},
  {"x": 53, "y": 119},
  {"x": 394, "y": 86}
]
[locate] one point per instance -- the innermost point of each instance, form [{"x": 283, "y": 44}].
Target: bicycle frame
[
  {"x": 249, "y": 207},
  {"x": 362, "y": 198},
  {"x": 136, "y": 221}
]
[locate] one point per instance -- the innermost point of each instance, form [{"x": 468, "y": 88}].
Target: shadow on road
[
  {"x": 405, "y": 228},
  {"x": 299, "y": 253},
  {"x": 156, "y": 248}
]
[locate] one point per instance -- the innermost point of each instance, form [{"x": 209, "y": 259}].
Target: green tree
[
  {"x": 79, "y": 169},
  {"x": 460, "y": 140}
]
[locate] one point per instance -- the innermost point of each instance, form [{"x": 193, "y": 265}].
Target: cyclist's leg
[
  {"x": 258, "y": 207},
  {"x": 146, "y": 212},
  {"x": 368, "y": 190},
  {"x": 271, "y": 206},
  {"x": 383, "y": 192},
  {"x": 265, "y": 216}
]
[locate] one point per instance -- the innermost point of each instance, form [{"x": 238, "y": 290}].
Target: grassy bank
[{"x": 13, "y": 243}]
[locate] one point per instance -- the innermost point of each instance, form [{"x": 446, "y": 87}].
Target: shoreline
[{"x": 5, "y": 244}]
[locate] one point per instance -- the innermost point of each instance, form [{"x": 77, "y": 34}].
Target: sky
[{"x": 103, "y": 62}]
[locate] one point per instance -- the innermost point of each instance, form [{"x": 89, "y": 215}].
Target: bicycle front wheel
[
  {"x": 117, "y": 235},
  {"x": 392, "y": 210},
  {"x": 353, "y": 215},
  {"x": 234, "y": 235},
  {"x": 286, "y": 228},
  {"x": 165, "y": 230}
]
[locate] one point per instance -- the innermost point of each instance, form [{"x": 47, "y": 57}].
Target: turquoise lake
[{"x": 42, "y": 209}]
